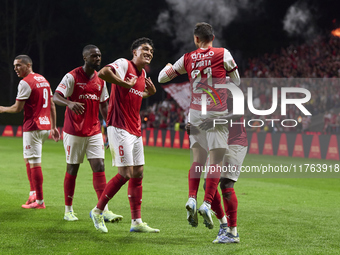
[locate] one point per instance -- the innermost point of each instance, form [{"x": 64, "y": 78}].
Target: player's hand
[
  {"x": 151, "y": 89},
  {"x": 1, "y": 109},
  {"x": 76, "y": 107},
  {"x": 131, "y": 82},
  {"x": 191, "y": 130},
  {"x": 206, "y": 124},
  {"x": 55, "y": 134}
]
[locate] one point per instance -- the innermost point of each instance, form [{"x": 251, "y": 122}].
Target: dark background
[{"x": 53, "y": 34}]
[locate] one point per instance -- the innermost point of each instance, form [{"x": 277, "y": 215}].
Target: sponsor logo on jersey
[
  {"x": 62, "y": 86},
  {"x": 198, "y": 56},
  {"x": 136, "y": 92},
  {"x": 89, "y": 96},
  {"x": 44, "y": 120},
  {"x": 39, "y": 78}
]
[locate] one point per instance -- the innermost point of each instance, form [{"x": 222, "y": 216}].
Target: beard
[{"x": 95, "y": 66}]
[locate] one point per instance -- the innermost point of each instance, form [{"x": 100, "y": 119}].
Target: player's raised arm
[
  {"x": 108, "y": 75},
  {"x": 170, "y": 71}
]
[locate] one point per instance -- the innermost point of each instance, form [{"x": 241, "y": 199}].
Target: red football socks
[
  {"x": 212, "y": 180},
  {"x": 28, "y": 170},
  {"x": 99, "y": 183},
  {"x": 110, "y": 190},
  {"x": 216, "y": 205},
  {"x": 37, "y": 179},
  {"x": 135, "y": 190},
  {"x": 69, "y": 186},
  {"x": 230, "y": 206},
  {"x": 194, "y": 178}
]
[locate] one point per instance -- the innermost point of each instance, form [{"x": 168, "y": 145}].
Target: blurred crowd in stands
[
  {"x": 164, "y": 115},
  {"x": 319, "y": 60}
]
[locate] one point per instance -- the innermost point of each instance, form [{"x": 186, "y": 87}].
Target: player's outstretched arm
[
  {"x": 170, "y": 71},
  {"x": 167, "y": 73},
  {"x": 150, "y": 88},
  {"x": 15, "y": 108},
  {"x": 108, "y": 75},
  {"x": 76, "y": 107}
]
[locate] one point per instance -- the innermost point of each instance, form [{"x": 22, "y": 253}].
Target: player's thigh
[
  {"x": 75, "y": 148},
  {"x": 121, "y": 146},
  {"x": 32, "y": 143},
  {"x": 233, "y": 162},
  {"x": 95, "y": 147},
  {"x": 138, "y": 152},
  {"x": 200, "y": 138},
  {"x": 217, "y": 138}
]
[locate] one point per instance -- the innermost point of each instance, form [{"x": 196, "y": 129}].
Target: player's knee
[
  {"x": 72, "y": 169},
  {"x": 97, "y": 165},
  {"x": 126, "y": 172},
  {"x": 137, "y": 172},
  {"x": 100, "y": 167},
  {"x": 226, "y": 183}
]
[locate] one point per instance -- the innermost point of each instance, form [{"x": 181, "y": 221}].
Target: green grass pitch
[{"x": 275, "y": 216}]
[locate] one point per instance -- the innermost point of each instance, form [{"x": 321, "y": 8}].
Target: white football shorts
[
  {"x": 213, "y": 138},
  {"x": 126, "y": 149},
  {"x": 32, "y": 143},
  {"x": 76, "y": 147},
  {"x": 233, "y": 161}
]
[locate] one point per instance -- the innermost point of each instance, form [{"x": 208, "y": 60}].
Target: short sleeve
[
  {"x": 105, "y": 94},
  {"x": 66, "y": 85},
  {"x": 179, "y": 66},
  {"x": 24, "y": 90},
  {"x": 228, "y": 61},
  {"x": 120, "y": 66}
]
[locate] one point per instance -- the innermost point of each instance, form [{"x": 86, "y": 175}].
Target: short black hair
[
  {"x": 25, "y": 59},
  {"x": 204, "y": 32},
  {"x": 89, "y": 47},
  {"x": 141, "y": 41}
]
